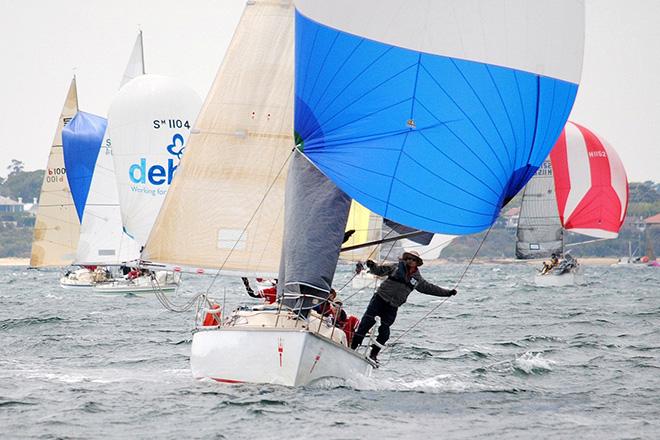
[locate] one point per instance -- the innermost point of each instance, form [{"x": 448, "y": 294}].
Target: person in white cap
[{"x": 402, "y": 279}]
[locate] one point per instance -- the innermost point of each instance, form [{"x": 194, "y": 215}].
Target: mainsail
[
  {"x": 432, "y": 114},
  {"x": 150, "y": 120},
  {"x": 592, "y": 187},
  {"x": 539, "y": 232},
  {"x": 102, "y": 238},
  {"x": 81, "y": 140},
  {"x": 57, "y": 227},
  {"x": 225, "y": 207}
]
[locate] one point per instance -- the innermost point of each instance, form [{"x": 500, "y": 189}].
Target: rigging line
[
  {"x": 240, "y": 237},
  {"x": 443, "y": 301}
]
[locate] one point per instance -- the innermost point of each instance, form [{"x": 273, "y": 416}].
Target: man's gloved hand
[
  {"x": 370, "y": 264},
  {"x": 453, "y": 292}
]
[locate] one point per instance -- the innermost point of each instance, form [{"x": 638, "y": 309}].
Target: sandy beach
[{"x": 12, "y": 261}]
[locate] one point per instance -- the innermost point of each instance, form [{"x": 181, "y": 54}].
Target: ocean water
[{"x": 502, "y": 359}]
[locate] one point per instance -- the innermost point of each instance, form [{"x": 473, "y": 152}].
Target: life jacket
[
  {"x": 349, "y": 327},
  {"x": 212, "y": 319},
  {"x": 401, "y": 275},
  {"x": 269, "y": 294}
]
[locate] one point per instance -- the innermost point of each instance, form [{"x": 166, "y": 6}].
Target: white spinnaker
[
  {"x": 135, "y": 66},
  {"x": 56, "y": 228},
  {"x": 216, "y": 215},
  {"x": 508, "y": 33},
  {"x": 429, "y": 251},
  {"x": 150, "y": 121},
  {"x": 102, "y": 239}
]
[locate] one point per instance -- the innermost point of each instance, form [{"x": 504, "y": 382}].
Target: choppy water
[{"x": 503, "y": 359}]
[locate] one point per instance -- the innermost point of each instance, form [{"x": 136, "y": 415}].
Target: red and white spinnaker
[{"x": 590, "y": 183}]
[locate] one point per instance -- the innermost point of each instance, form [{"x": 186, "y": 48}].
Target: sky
[{"x": 43, "y": 43}]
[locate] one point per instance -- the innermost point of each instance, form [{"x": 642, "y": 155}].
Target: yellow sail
[
  {"x": 367, "y": 227},
  {"x": 57, "y": 229}
]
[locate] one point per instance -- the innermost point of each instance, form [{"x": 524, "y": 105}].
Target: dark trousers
[{"x": 387, "y": 313}]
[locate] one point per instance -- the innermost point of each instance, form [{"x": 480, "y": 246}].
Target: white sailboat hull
[
  {"x": 143, "y": 284},
  {"x": 291, "y": 357},
  {"x": 566, "y": 279}
]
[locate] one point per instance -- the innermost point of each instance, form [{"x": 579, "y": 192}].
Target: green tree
[
  {"x": 25, "y": 184},
  {"x": 16, "y": 166}
]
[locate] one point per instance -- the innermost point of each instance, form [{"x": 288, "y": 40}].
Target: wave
[{"x": 11, "y": 323}]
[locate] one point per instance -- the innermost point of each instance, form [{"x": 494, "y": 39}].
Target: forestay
[
  {"x": 150, "y": 120},
  {"x": 539, "y": 232},
  {"x": 81, "y": 141},
  {"x": 225, "y": 207},
  {"x": 434, "y": 113},
  {"x": 56, "y": 227},
  {"x": 591, "y": 183}
]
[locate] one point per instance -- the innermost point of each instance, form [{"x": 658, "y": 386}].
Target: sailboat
[
  {"x": 57, "y": 228},
  {"x": 582, "y": 188},
  {"x": 149, "y": 122},
  {"x": 402, "y": 111},
  {"x": 81, "y": 140},
  {"x": 102, "y": 243}
]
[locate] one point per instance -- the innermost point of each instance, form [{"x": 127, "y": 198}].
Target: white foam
[{"x": 530, "y": 362}]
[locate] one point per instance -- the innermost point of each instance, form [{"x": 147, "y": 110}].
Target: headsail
[
  {"x": 434, "y": 114},
  {"x": 539, "y": 232},
  {"x": 57, "y": 227},
  {"x": 224, "y": 209},
  {"x": 592, "y": 187},
  {"x": 81, "y": 140},
  {"x": 150, "y": 120}
]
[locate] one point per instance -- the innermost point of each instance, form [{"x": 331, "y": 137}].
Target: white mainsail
[
  {"x": 225, "y": 207},
  {"x": 135, "y": 66},
  {"x": 149, "y": 122},
  {"x": 102, "y": 239},
  {"x": 57, "y": 227}
]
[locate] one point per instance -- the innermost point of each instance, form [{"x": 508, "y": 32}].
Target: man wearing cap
[{"x": 402, "y": 278}]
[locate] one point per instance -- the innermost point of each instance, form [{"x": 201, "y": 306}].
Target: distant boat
[
  {"x": 102, "y": 242},
  {"x": 581, "y": 188},
  {"x": 57, "y": 226}
]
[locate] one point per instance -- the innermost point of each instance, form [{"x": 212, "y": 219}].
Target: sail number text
[{"x": 170, "y": 123}]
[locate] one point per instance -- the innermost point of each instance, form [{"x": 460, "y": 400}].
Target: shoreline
[{"x": 14, "y": 261}]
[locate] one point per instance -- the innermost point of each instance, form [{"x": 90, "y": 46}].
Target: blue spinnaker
[
  {"x": 81, "y": 141},
  {"x": 429, "y": 141}
]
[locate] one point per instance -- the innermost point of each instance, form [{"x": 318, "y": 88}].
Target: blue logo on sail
[{"x": 158, "y": 174}]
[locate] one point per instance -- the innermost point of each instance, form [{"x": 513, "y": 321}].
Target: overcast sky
[{"x": 43, "y": 41}]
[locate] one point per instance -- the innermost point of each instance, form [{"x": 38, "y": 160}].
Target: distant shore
[{"x": 13, "y": 261}]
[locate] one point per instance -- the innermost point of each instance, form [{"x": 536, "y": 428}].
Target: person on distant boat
[
  {"x": 547, "y": 267},
  {"x": 133, "y": 274},
  {"x": 402, "y": 279},
  {"x": 268, "y": 293}
]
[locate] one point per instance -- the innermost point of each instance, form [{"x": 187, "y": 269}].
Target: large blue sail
[
  {"x": 81, "y": 141},
  {"x": 436, "y": 132}
]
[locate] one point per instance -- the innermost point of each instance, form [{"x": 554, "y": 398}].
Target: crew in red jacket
[{"x": 267, "y": 293}]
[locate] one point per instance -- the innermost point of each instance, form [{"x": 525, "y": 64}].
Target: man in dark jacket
[{"x": 402, "y": 279}]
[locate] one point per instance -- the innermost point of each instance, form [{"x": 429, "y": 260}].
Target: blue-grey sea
[{"x": 502, "y": 359}]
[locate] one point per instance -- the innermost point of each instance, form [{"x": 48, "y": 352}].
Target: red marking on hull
[{"x": 226, "y": 380}]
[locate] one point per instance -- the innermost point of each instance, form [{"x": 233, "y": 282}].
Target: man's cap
[{"x": 413, "y": 254}]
